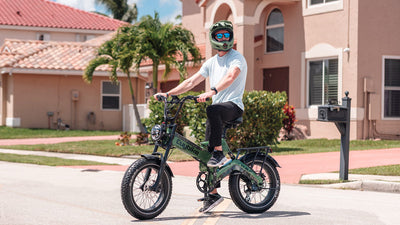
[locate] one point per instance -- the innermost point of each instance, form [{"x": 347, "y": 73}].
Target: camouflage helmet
[{"x": 221, "y": 45}]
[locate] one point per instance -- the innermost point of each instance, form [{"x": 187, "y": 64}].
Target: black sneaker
[
  {"x": 218, "y": 159},
  {"x": 213, "y": 200}
]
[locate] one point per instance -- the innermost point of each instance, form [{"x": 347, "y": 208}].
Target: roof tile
[{"x": 43, "y": 13}]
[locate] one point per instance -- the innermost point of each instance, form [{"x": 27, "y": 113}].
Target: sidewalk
[
  {"x": 35, "y": 141},
  {"x": 293, "y": 167}
]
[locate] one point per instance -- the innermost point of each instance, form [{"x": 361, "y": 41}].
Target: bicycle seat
[{"x": 233, "y": 123}]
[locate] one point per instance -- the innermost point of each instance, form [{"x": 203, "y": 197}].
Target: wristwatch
[{"x": 214, "y": 89}]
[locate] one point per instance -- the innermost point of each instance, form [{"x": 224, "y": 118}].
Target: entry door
[{"x": 276, "y": 79}]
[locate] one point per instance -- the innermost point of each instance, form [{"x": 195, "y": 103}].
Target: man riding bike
[{"x": 227, "y": 72}]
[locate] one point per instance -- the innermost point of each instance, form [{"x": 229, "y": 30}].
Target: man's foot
[
  {"x": 218, "y": 159},
  {"x": 213, "y": 200}
]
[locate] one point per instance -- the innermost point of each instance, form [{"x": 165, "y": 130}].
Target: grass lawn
[
  {"x": 325, "y": 145},
  {"x": 108, "y": 147},
  {"x": 390, "y": 170},
  {"x": 44, "y": 160},
  {"x": 15, "y": 133}
]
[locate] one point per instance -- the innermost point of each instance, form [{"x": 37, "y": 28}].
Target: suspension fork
[{"x": 163, "y": 158}]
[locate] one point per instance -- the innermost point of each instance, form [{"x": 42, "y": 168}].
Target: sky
[{"x": 167, "y": 9}]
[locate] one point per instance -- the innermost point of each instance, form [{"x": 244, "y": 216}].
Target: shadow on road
[{"x": 234, "y": 214}]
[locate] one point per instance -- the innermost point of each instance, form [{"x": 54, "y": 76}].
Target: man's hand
[
  {"x": 203, "y": 97},
  {"x": 162, "y": 94}
]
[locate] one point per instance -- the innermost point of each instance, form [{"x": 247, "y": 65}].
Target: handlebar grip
[
  {"x": 160, "y": 97},
  {"x": 196, "y": 97}
]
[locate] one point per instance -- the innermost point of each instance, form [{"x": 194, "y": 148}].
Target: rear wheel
[
  {"x": 139, "y": 200},
  {"x": 247, "y": 196}
]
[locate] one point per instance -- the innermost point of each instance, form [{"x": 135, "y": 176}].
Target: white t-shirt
[{"x": 217, "y": 67}]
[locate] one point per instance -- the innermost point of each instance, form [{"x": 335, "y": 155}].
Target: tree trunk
[
  {"x": 155, "y": 77},
  {"x": 137, "y": 116}
]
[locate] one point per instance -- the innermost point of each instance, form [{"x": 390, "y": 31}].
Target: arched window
[{"x": 274, "y": 31}]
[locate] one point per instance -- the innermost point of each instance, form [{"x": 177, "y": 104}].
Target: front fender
[{"x": 155, "y": 157}]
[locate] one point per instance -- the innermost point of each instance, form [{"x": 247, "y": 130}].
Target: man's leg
[{"x": 217, "y": 114}]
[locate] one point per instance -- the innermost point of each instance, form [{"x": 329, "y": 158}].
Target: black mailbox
[
  {"x": 332, "y": 113},
  {"x": 340, "y": 115}
]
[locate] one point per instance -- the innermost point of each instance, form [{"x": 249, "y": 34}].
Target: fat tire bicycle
[{"x": 254, "y": 182}]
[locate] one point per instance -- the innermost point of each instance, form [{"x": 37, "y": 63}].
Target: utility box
[{"x": 332, "y": 113}]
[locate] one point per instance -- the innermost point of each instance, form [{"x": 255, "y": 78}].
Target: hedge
[{"x": 262, "y": 119}]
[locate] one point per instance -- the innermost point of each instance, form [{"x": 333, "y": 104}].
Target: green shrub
[
  {"x": 156, "y": 114},
  {"x": 192, "y": 115},
  {"x": 262, "y": 120}
]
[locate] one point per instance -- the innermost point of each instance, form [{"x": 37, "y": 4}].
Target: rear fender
[{"x": 269, "y": 158}]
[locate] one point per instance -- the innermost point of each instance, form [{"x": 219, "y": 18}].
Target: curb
[
  {"x": 389, "y": 184},
  {"x": 367, "y": 185}
]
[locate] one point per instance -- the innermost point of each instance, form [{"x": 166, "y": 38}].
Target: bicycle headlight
[{"x": 156, "y": 132}]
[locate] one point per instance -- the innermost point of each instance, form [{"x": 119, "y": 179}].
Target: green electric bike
[{"x": 146, "y": 188}]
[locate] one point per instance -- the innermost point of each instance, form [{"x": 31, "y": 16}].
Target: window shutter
[{"x": 315, "y": 97}]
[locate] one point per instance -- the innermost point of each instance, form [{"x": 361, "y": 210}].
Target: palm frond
[{"x": 93, "y": 64}]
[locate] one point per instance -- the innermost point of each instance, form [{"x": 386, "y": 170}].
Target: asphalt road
[{"x": 31, "y": 194}]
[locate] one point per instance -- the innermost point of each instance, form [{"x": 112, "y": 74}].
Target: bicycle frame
[{"x": 169, "y": 139}]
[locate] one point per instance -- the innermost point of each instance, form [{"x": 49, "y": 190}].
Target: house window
[
  {"x": 274, "y": 31},
  {"x": 312, "y": 7},
  {"x": 83, "y": 37},
  {"x": 323, "y": 81},
  {"x": 317, "y": 2},
  {"x": 392, "y": 87},
  {"x": 43, "y": 36},
  {"x": 110, "y": 95}
]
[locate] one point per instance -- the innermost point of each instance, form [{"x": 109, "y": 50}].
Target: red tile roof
[
  {"x": 22, "y": 54},
  {"x": 43, "y": 13}
]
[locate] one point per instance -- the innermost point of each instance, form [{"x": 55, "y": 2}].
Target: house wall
[
  {"x": 326, "y": 35},
  {"x": 36, "y": 95},
  {"x": 193, "y": 19},
  {"x": 360, "y": 33},
  {"x": 379, "y": 36},
  {"x": 55, "y": 34},
  {"x": 2, "y": 99}
]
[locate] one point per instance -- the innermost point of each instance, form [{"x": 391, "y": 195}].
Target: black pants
[{"x": 216, "y": 115}]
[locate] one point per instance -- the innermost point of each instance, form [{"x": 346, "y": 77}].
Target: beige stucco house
[
  {"x": 42, "y": 59},
  {"x": 315, "y": 50}
]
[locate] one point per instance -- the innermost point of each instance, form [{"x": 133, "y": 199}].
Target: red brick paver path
[{"x": 294, "y": 166}]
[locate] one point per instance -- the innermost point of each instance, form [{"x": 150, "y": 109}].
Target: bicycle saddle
[{"x": 233, "y": 123}]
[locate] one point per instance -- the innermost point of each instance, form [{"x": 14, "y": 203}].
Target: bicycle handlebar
[
  {"x": 178, "y": 100},
  {"x": 175, "y": 101}
]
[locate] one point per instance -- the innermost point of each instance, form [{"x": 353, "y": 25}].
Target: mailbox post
[{"x": 340, "y": 115}]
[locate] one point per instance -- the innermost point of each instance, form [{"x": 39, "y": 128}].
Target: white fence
[{"x": 129, "y": 122}]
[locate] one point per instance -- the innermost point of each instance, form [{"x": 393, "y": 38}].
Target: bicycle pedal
[{"x": 201, "y": 199}]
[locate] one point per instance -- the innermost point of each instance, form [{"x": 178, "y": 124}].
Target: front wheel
[
  {"x": 252, "y": 199},
  {"x": 139, "y": 200}
]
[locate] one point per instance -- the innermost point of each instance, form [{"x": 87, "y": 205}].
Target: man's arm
[
  {"x": 185, "y": 86},
  {"x": 222, "y": 85}
]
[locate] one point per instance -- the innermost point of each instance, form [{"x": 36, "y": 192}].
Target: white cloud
[
  {"x": 133, "y": 1},
  {"x": 171, "y": 17},
  {"x": 87, "y": 5}
]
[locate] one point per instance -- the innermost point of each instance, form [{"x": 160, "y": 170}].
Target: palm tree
[
  {"x": 121, "y": 10},
  {"x": 117, "y": 54},
  {"x": 163, "y": 44}
]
